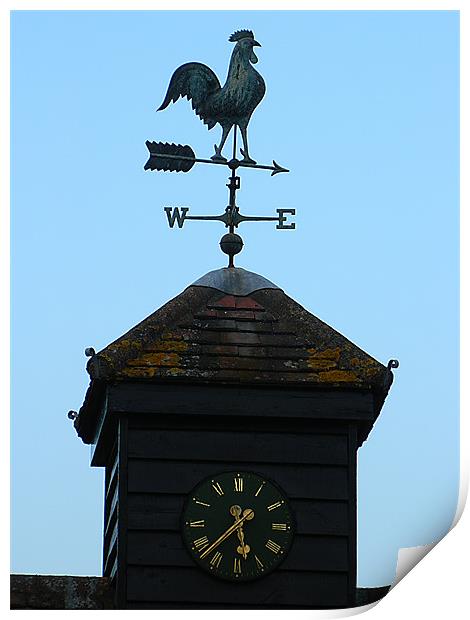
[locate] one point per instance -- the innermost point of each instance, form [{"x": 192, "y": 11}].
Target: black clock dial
[{"x": 237, "y": 525}]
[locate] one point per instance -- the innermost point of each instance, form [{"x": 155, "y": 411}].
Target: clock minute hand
[{"x": 247, "y": 514}]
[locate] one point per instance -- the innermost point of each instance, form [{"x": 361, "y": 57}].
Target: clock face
[{"x": 237, "y": 525}]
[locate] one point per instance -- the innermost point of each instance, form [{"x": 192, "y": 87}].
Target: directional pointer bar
[
  {"x": 231, "y": 217},
  {"x": 181, "y": 158}
]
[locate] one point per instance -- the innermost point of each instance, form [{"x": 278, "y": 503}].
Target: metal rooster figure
[{"x": 231, "y": 106}]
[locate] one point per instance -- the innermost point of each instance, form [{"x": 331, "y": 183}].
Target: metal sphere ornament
[{"x": 231, "y": 244}]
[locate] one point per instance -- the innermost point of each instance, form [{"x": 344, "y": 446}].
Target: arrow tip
[{"x": 278, "y": 168}]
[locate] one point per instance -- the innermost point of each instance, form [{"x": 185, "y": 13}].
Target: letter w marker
[{"x": 173, "y": 214}]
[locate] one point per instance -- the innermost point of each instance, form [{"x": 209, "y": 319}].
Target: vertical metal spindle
[{"x": 233, "y": 185}]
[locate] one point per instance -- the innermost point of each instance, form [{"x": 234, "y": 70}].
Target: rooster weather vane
[{"x": 230, "y": 105}]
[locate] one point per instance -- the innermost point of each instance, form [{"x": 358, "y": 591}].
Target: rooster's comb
[{"x": 241, "y": 34}]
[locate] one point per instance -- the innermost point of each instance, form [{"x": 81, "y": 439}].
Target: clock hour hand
[
  {"x": 248, "y": 514},
  {"x": 243, "y": 549}
]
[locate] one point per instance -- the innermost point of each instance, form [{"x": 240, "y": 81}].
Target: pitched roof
[{"x": 233, "y": 326}]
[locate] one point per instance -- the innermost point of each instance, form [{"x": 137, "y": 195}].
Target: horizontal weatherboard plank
[
  {"x": 297, "y": 481},
  {"x": 228, "y": 401},
  {"x": 241, "y": 446},
  {"x": 281, "y": 588}
]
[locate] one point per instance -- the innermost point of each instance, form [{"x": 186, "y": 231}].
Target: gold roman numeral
[
  {"x": 217, "y": 488},
  {"x": 237, "y": 566},
  {"x": 272, "y": 546},
  {"x": 279, "y": 526},
  {"x": 238, "y": 482},
  {"x": 259, "y": 563},
  {"x": 200, "y": 503},
  {"x": 259, "y": 490},
  {"x": 199, "y": 523},
  {"x": 216, "y": 559},
  {"x": 201, "y": 543},
  {"x": 275, "y": 505}
]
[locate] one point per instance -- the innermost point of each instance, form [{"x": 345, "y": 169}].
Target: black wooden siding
[
  {"x": 110, "y": 529},
  {"x": 153, "y": 585},
  {"x": 311, "y": 461}
]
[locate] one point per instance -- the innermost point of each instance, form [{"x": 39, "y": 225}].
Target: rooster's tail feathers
[{"x": 194, "y": 81}]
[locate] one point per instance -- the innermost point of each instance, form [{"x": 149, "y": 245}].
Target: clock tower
[
  {"x": 228, "y": 424},
  {"x": 228, "y": 421}
]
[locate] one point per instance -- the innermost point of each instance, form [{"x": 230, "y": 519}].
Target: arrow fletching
[{"x": 170, "y": 157}]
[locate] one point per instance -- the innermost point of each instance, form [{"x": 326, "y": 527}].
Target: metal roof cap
[{"x": 235, "y": 281}]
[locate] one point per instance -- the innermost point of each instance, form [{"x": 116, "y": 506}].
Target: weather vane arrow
[
  {"x": 181, "y": 158},
  {"x": 231, "y": 106}
]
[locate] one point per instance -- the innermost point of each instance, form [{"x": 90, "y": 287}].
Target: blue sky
[{"x": 362, "y": 107}]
